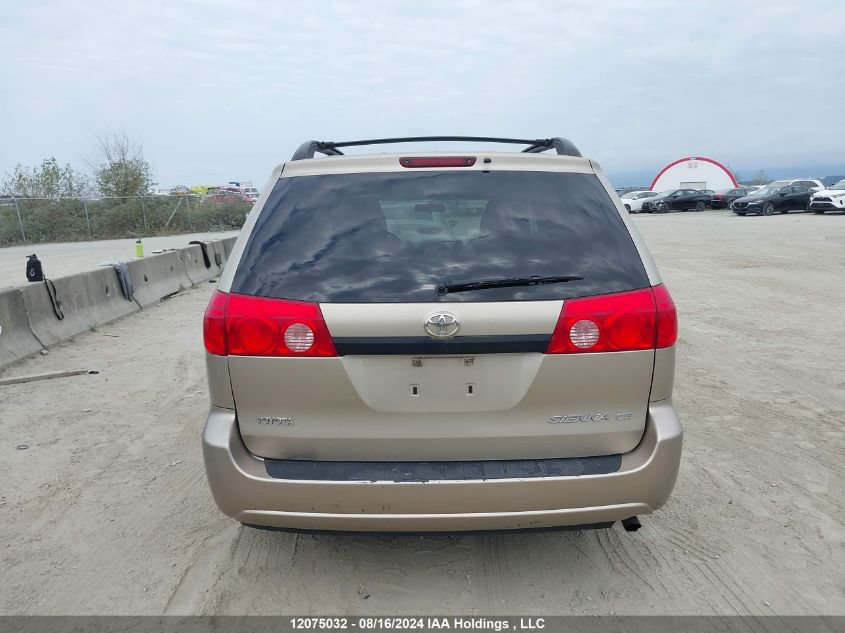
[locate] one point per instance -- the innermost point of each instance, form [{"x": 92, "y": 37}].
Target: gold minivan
[{"x": 440, "y": 341}]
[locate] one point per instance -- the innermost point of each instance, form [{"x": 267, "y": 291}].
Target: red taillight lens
[
  {"x": 214, "y": 324},
  {"x": 438, "y": 161},
  {"x": 240, "y": 325},
  {"x": 258, "y": 326},
  {"x": 624, "y": 321},
  {"x": 667, "y": 317}
]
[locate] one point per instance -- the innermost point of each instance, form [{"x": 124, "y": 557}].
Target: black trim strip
[
  {"x": 439, "y": 471},
  {"x": 393, "y": 535},
  {"x": 426, "y": 346}
]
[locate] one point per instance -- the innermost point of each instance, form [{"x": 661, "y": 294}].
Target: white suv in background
[
  {"x": 811, "y": 183},
  {"x": 830, "y": 199},
  {"x": 633, "y": 200}
]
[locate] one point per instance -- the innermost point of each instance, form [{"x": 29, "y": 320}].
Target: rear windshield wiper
[{"x": 443, "y": 289}]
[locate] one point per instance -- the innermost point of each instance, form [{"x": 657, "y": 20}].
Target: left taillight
[
  {"x": 619, "y": 322},
  {"x": 214, "y": 324},
  {"x": 260, "y": 326}
]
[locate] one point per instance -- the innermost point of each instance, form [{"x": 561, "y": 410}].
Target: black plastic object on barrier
[
  {"x": 54, "y": 299},
  {"x": 34, "y": 271},
  {"x": 204, "y": 247}
]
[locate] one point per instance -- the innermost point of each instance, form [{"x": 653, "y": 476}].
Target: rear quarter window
[{"x": 393, "y": 237}]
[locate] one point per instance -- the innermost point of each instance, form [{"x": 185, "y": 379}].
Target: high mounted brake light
[
  {"x": 240, "y": 325},
  {"x": 619, "y": 322},
  {"x": 438, "y": 161}
]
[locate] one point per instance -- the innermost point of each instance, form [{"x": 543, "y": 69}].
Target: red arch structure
[{"x": 705, "y": 159}]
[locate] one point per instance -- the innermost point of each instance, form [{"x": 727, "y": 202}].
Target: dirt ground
[{"x": 107, "y": 510}]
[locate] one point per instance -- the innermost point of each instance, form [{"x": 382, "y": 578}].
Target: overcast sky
[{"x": 227, "y": 89}]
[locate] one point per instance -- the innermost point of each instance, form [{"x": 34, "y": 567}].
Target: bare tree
[
  {"x": 119, "y": 167},
  {"x": 761, "y": 178}
]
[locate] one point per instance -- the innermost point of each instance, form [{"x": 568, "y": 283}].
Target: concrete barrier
[
  {"x": 194, "y": 263},
  {"x": 229, "y": 244},
  {"x": 217, "y": 253},
  {"x": 16, "y": 339},
  {"x": 158, "y": 276},
  {"x": 87, "y": 300},
  {"x": 93, "y": 298}
]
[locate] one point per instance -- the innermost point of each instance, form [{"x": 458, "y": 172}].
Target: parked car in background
[
  {"x": 230, "y": 195},
  {"x": 204, "y": 190},
  {"x": 633, "y": 200},
  {"x": 811, "y": 183},
  {"x": 722, "y": 198},
  {"x": 243, "y": 187},
  {"x": 830, "y": 199},
  {"x": 780, "y": 196},
  {"x": 180, "y": 190},
  {"x": 183, "y": 192},
  {"x": 677, "y": 200}
]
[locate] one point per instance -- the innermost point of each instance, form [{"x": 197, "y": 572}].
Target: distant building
[{"x": 694, "y": 172}]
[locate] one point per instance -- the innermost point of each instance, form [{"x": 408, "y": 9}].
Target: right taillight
[
  {"x": 619, "y": 322},
  {"x": 260, "y": 326},
  {"x": 667, "y": 317}
]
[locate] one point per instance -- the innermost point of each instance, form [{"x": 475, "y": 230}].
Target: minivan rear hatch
[{"x": 428, "y": 306}]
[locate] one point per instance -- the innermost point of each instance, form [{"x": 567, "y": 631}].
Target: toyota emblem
[{"x": 442, "y": 325}]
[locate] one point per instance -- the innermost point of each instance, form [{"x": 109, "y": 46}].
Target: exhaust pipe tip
[{"x": 631, "y": 524}]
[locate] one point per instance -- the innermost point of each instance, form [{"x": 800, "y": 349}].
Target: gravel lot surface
[{"x": 106, "y": 510}]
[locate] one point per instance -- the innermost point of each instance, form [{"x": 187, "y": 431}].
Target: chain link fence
[{"x": 38, "y": 220}]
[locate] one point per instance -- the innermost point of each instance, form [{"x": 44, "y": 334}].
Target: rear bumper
[{"x": 243, "y": 490}]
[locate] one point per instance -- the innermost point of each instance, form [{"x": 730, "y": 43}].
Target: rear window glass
[{"x": 393, "y": 237}]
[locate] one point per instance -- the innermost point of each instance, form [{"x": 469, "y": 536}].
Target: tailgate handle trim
[{"x": 426, "y": 346}]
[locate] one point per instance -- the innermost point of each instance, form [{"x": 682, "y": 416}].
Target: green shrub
[{"x": 65, "y": 219}]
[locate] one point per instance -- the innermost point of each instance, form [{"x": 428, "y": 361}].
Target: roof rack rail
[{"x": 563, "y": 146}]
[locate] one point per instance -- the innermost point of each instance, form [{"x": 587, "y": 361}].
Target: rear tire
[
  {"x": 769, "y": 208},
  {"x": 628, "y": 208},
  {"x": 699, "y": 206}
]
